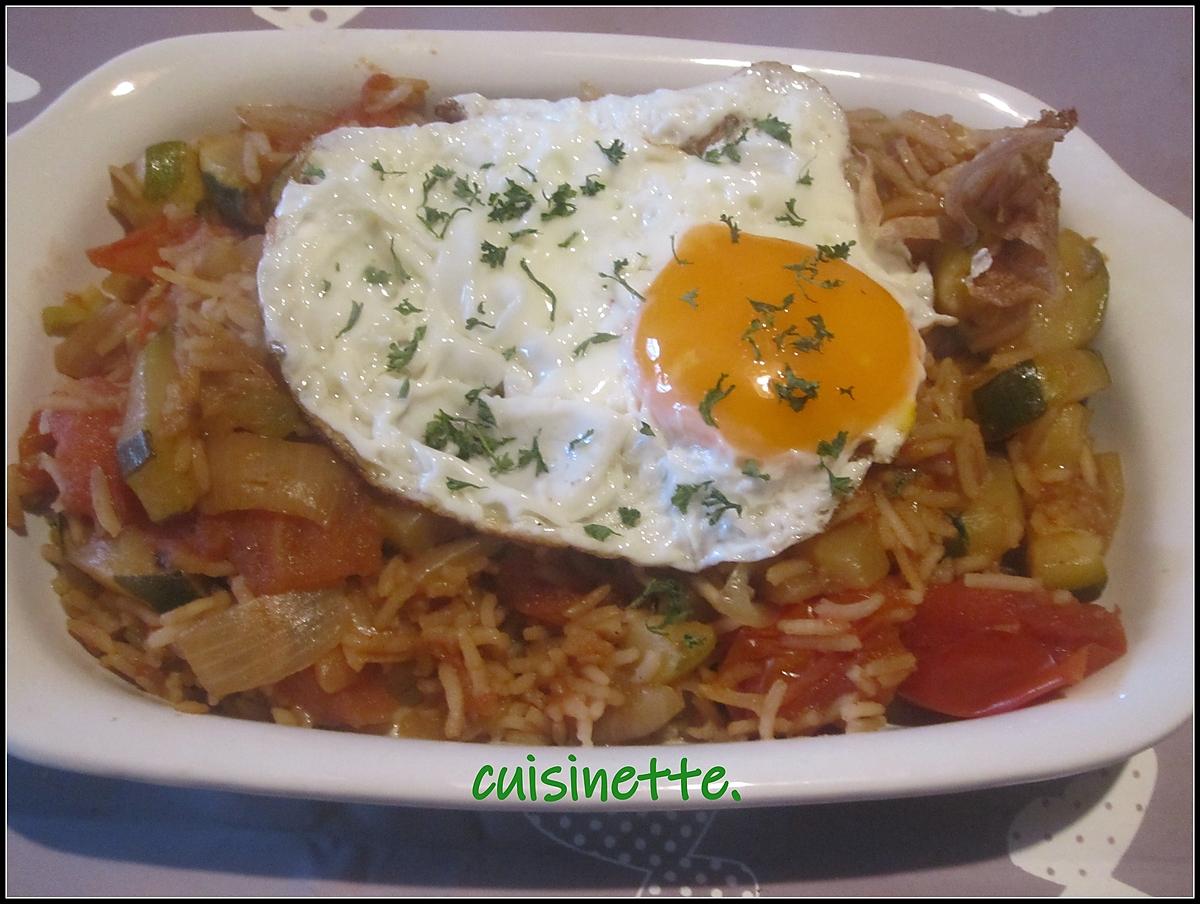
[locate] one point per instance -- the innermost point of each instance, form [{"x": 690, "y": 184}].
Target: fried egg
[{"x": 650, "y": 327}]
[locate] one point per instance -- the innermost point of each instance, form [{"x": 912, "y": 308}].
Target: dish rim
[{"x": 37, "y": 740}]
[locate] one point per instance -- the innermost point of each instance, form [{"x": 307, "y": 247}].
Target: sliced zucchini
[
  {"x": 1009, "y": 401},
  {"x": 1023, "y": 393},
  {"x": 1072, "y": 317},
  {"x": 1072, "y": 375},
  {"x": 1057, "y": 439},
  {"x": 849, "y": 556},
  {"x": 173, "y": 174},
  {"x": 149, "y": 455},
  {"x": 995, "y": 520},
  {"x": 1069, "y": 560},
  {"x": 164, "y": 591},
  {"x": 225, "y": 183},
  {"x": 691, "y": 643},
  {"x": 950, "y": 272}
]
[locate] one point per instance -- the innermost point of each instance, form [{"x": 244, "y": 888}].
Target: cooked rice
[{"x": 433, "y": 620}]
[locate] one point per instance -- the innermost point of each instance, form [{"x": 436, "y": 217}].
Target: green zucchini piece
[
  {"x": 163, "y": 591},
  {"x": 224, "y": 183},
  {"x": 165, "y": 165},
  {"x": 1072, "y": 375},
  {"x": 1009, "y": 401},
  {"x": 1068, "y": 560},
  {"x": 133, "y": 452},
  {"x": 163, "y": 483},
  {"x": 1072, "y": 317}
]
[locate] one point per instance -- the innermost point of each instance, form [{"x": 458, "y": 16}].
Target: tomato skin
[
  {"x": 537, "y": 590},
  {"x": 365, "y": 702},
  {"x": 279, "y": 553},
  {"x": 981, "y": 652},
  {"x": 815, "y": 678},
  {"x": 83, "y": 440},
  {"x": 136, "y": 254}
]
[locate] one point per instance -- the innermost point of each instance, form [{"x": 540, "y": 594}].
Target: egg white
[{"x": 335, "y": 321}]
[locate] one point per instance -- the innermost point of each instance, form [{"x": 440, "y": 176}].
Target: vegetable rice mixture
[{"x": 220, "y": 548}]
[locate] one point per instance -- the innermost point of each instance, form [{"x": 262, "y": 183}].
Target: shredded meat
[{"x": 1007, "y": 196}]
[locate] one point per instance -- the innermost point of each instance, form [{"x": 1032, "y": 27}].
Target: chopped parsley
[
  {"x": 326, "y": 285},
  {"x": 383, "y": 173},
  {"x": 597, "y": 339},
  {"x": 795, "y": 391},
  {"x": 629, "y": 516},
  {"x": 831, "y": 450},
  {"x": 400, "y": 356},
  {"x": 847, "y": 391},
  {"x": 397, "y": 267},
  {"x": 645, "y": 429},
  {"x": 689, "y": 298},
  {"x": 376, "y": 277},
  {"x": 541, "y": 285},
  {"x": 734, "y": 232},
  {"x": 509, "y": 353},
  {"x": 404, "y": 388},
  {"x": 670, "y": 600},
  {"x": 714, "y": 395},
  {"x": 473, "y": 322},
  {"x": 776, "y": 128},
  {"x": 789, "y": 214},
  {"x": 580, "y": 440},
  {"x": 752, "y": 469},
  {"x": 493, "y": 255},
  {"x": 405, "y": 307},
  {"x": 616, "y": 276},
  {"x": 814, "y": 342},
  {"x": 675, "y": 255},
  {"x": 682, "y": 497},
  {"x": 528, "y": 172},
  {"x": 838, "y": 252},
  {"x": 533, "y": 455},
  {"x": 715, "y": 503},
  {"x": 438, "y": 221},
  {"x": 471, "y": 438},
  {"x": 566, "y": 243},
  {"x": 615, "y": 152},
  {"x": 521, "y": 232},
  {"x": 599, "y": 532},
  {"x": 312, "y": 172},
  {"x": 467, "y": 191},
  {"x": 454, "y": 485},
  {"x": 560, "y": 202},
  {"x": 591, "y": 186},
  {"x": 512, "y": 204},
  {"x": 728, "y": 150},
  {"x": 355, "y": 311},
  {"x": 806, "y": 178}
]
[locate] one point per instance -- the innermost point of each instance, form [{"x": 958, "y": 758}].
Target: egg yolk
[{"x": 777, "y": 345}]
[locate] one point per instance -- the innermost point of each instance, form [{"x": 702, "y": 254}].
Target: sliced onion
[
  {"x": 646, "y": 710},
  {"x": 736, "y": 599},
  {"x": 263, "y": 640}
]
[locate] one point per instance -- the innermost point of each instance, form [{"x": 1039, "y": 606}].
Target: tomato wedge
[
  {"x": 137, "y": 253},
  {"x": 816, "y": 679},
  {"x": 83, "y": 441},
  {"x": 981, "y": 652}
]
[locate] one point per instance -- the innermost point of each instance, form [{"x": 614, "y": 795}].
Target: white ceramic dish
[{"x": 65, "y": 711}]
